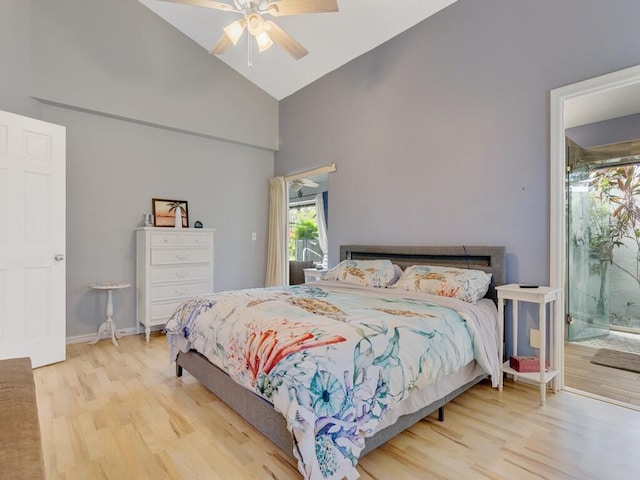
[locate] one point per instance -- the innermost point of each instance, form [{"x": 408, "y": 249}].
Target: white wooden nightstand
[
  {"x": 313, "y": 274},
  {"x": 542, "y": 296}
]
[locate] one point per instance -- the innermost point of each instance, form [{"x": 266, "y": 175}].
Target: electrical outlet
[
  {"x": 254, "y": 236},
  {"x": 534, "y": 338}
]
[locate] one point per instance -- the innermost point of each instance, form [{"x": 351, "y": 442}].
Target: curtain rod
[{"x": 309, "y": 173}]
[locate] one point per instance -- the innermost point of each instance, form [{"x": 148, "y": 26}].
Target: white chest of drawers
[{"x": 171, "y": 266}]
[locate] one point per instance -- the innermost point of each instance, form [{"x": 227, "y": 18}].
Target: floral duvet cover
[{"x": 332, "y": 359}]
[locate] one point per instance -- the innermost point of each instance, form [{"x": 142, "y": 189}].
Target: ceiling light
[
  {"x": 234, "y": 30},
  {"x": 264, "y": 41},
  {"x": 253, "y": 11},
  {"x": 255, "y": 24}
]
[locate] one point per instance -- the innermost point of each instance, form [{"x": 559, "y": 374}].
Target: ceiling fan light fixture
[
  {"x": 255, "y": 24},
  {"x": 264, "y": 42},
  {"x": 266, "y": 32},
  {"x": 234, "y": 30}
]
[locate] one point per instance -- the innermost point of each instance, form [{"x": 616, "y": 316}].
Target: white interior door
[{"x": 32, "y": 239}]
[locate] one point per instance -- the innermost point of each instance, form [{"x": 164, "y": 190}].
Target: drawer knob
[{"x": 181, "y": 291}]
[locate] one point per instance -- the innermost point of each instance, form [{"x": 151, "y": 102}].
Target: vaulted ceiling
[{"x": 332, "y": 39}]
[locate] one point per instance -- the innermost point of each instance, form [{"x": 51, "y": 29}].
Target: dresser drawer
[
  {"x": 178, "y": 274},
  {"x": 160, "y": 312},
  {"x": 168, "y": 256},
  {"x": 169, "y": 239},
  {"x": 162, "y": 292}
]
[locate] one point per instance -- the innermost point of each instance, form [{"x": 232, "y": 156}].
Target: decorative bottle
[{"x": 178, "y": 212}]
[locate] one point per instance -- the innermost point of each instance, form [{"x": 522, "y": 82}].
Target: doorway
[
  {"x": 603, "y": 266},
  {"x": 307, "y": 219},
  {"x": 591, "y": 308},
  {"x": 307, "y": 227},
  {"x": 306, "y": 242},
  {"x": 603, "y": 239}
]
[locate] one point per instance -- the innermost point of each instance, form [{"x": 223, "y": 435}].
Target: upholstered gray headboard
[{"x": 490, "y": 259}]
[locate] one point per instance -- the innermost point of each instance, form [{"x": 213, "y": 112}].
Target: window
[
  {"x": 303, "y": 231},
  {"x": 307, "y": 211}
]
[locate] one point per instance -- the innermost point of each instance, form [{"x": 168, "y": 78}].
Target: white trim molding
[
  {"x": 121, "y": 332},
  {"x": 557, "y": 189}
]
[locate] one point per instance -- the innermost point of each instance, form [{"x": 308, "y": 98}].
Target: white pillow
[
  {"x": 460, "y": 283},
  {"x": 369, "y": 273}
]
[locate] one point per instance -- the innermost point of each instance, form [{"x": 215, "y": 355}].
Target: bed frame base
[
  {"x": 261, "y": 414},
  {"x": 253, "y": 408}
]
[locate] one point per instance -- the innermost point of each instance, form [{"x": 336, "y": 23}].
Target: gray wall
[
  {"x": 120, "y": 58},
  {"x": 15, "y": 55},
  {"x": 115, "y": 168},
  {"x": 616, "y": 130},
  {"x": 148, "y": 114},
  {"x": 441, "y": 135}
]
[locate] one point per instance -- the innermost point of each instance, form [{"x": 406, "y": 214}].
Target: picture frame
[{"x": 164, "y": 212}]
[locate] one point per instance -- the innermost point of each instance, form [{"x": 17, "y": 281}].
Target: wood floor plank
[
  {"x": 120, "y": 413},
  {"x": 613, "y": 383}
]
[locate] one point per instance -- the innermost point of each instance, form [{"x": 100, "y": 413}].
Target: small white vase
[{"x": 178, "y": 212}]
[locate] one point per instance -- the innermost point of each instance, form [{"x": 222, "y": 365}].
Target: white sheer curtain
[
  {"x": 322, "y": 230},
  {"x": 277, "y": 261}
]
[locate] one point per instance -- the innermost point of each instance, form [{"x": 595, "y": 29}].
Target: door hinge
[{"x": 569, "y": 319}]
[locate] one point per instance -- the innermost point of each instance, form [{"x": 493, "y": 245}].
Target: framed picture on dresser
[{"x": 166, "y": 211}]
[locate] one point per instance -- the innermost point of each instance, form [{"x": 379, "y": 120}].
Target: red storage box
[{"x": 526, "y": 364}]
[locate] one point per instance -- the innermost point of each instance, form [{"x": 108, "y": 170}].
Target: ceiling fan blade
[
  {"x": 206, "y": 3},
  {"x": 296, "y": 7},
  {"x": 222, "y": 45},
  {"x": 286, "y": 41}
]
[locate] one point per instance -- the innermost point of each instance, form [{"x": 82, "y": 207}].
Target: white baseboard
[{"x": 122, "y": 332}]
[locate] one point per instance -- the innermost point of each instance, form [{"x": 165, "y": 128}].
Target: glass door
[{"x": 588, "y": 258}]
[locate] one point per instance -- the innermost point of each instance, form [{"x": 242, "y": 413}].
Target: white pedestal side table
[{"x": 108, "y": 326}]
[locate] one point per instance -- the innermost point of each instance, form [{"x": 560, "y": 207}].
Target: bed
[{"x": 399, "y": 392}]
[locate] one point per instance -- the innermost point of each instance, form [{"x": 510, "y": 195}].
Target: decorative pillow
[
  {"x": 460, "y": 283},
  {"x": 369, "y": 273},
  {"x": 397, "y": 273}
]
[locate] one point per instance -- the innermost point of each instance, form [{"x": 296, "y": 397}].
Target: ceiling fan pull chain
[{"x": 249, "y": 52}]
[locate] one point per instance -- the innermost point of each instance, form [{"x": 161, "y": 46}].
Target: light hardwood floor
[
  {"x": 613, "y": 383},
  {"x": 120, "y": 413}
]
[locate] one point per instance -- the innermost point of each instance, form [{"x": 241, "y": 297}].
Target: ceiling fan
[
  {"x": 301, "y": 183},
  {"x": 304, "y": 182},
  {"x": 265, "y": 32}
]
